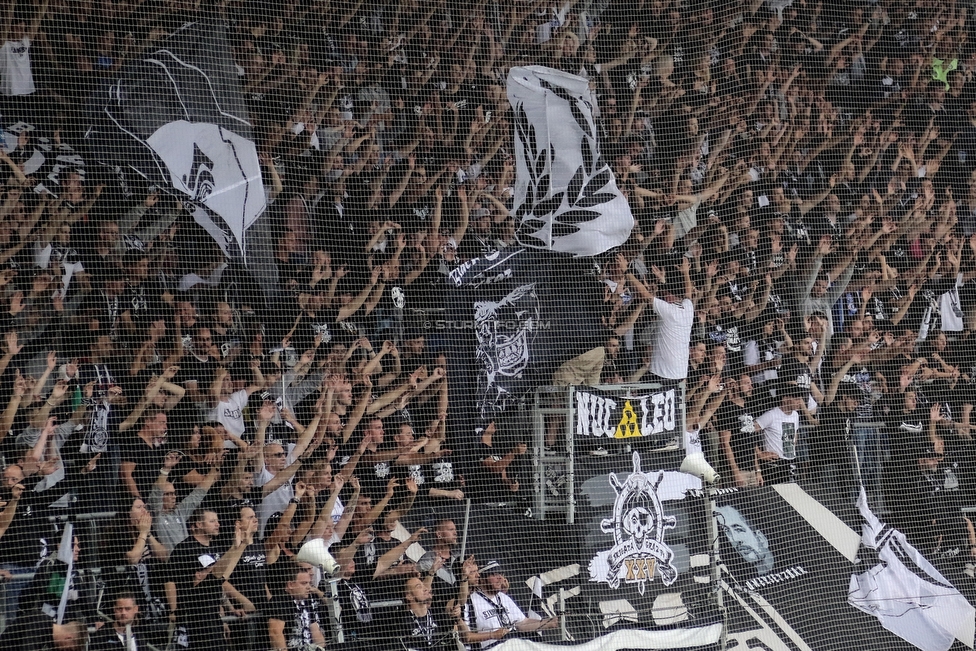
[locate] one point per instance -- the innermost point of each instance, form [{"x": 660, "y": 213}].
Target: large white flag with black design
[
  {"x": 566, "y": 197},
  {"x": 907, "y": 594},
  {"x": 177, "y": 118}
]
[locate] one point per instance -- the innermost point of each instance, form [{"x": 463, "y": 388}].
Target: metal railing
[{"x": 554, "y": 402}]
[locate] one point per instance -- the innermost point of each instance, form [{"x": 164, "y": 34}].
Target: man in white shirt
[
  {"x": 16, "y": 78},
  {"x": 227, "y": 401},
  {"x": 669, "y": 358},
  {"x": 495, "y": 614},
  {"x": 780, "y": 428}
]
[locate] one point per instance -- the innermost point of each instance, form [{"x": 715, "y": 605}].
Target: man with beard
[
  {"x": 494, "y": 613},
  {"x": 737, "y": 433},
  {"x": 197, "y": 574},
  {"x": 124, "y": 632},
  {"x": 106, "y": 417},
  {"x": 440, "y": 564},
  {"x": 417, "y": 628},
  {"x": 750, "y": 543}
]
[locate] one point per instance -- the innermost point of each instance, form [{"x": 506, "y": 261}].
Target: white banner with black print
[
  {"x": 601, "y": 413},
  {"x": 566, "y": 196}
]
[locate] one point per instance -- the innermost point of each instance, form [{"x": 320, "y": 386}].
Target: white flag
[
  {"x": 566, "y": 197},
  {"x": 905, "y": 592}
]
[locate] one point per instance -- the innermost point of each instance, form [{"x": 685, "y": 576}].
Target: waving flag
[
  {"x": 907, "y": 594},
  {"x": 176, "y": 117},
  {"x": 566, "y": 197}
]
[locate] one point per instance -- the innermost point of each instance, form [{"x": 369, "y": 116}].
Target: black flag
[
  {"x": 177, "y": 118},
  {"x": 520, "y": 313}
]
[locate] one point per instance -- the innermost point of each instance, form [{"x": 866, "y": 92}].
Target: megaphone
[
  {"x": 695, "y": 464},
  {"x": 314, "y": 552}
]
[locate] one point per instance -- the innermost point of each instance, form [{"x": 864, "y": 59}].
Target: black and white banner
[
  {"x": 40, "y": 158},
  {"x": 680, "y": 638},
  {"x": 792, "y": 570},
  {"x": 606, "y": 414},
  {"x": 566, "y": 197},
  {"x": 515, "y": 312},
  {"x": 177, "y": 118},
  {"x": 909, "y": 596}
]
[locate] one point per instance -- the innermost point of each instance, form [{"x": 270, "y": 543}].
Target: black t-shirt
[
  {"x": 374, "y": 475},
  {"x": 819, "y": 225},
  {"x": 30, "y": 535},
  {"x": 144, "y": 579},
  {"x": 298, "y": 616},
  {"x": 193, "y": 369},
  {"x": 831, "y": 436},
  {"x": 107, "y": 639},
  {"x": 437, "y": 474},
  {"x": 29, "y": 632},
  {"x": 731, "y": 332},
  {"x": 143, "y": 302},
  {"x": 908, "y": 434},
  {"x": 417, "y": 632},
  {"x": 323, "y": 323},
  {"x": 197, "y": 606},
  {"x": 148, "y": 461},
  {"x": 428, "y": 291},
  {"x": 793, "y": 371},
  {"x": 739, "y": 420},
  {"x": 250, "y": 574},
  {"x": 483, "y": 484}
]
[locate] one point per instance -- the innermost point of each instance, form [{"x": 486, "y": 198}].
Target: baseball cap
[{"x": 491, "y": 567}]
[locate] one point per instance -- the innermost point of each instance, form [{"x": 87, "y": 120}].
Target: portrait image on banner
[{"x": 787, "y": 572}]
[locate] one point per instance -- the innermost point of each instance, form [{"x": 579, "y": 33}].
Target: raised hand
[
  {"x": 10, "y": 343},
  {"x": 20, "y": 384},
  {"x": 267, "y": 411}
]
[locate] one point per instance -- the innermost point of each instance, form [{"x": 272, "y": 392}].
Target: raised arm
[{"x": 385, "y": 563}]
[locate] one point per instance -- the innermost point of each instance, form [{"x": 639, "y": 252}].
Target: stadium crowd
[{"x": 803, "y": 258}]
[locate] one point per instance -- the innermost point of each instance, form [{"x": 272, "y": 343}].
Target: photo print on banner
[{"x": 793, "y": 569}]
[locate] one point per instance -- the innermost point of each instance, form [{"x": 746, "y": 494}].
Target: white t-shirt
[
  {"x": 493, "y": 614},
  {"x": 780, "y": 432},
  {"x": 15, "y": 68},
  {"x": 230, "y": 413},
  {"x": 277, "y": 500},
  {"x": 670, "y": 356},
  {"x": 686, "y": 218}
]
